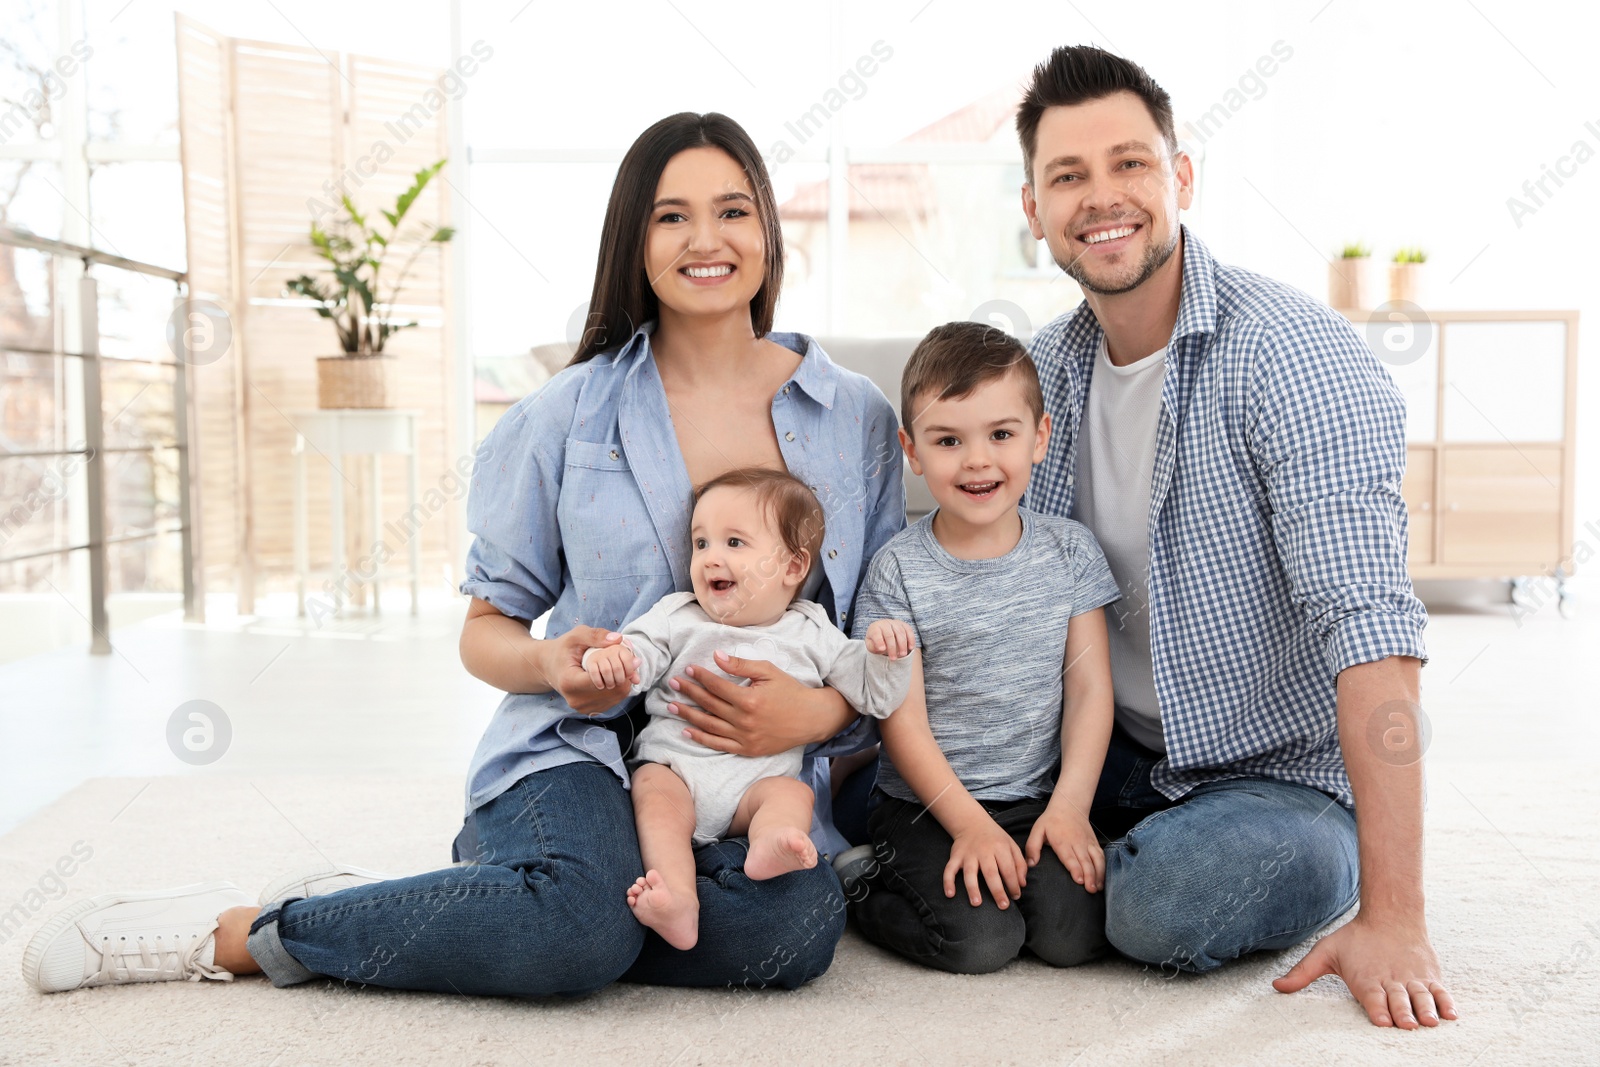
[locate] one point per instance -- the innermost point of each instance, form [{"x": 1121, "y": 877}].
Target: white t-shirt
[{"x": 1115, "y": 465}]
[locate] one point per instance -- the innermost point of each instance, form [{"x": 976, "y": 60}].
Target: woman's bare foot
[
  {"x": 675, "y": 916},
  {"x": 779, "y": 851}
]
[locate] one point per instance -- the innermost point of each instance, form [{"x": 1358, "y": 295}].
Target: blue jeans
[
  {"x": 1234, "y": 866},
  {"x": 544, "y": 910}
]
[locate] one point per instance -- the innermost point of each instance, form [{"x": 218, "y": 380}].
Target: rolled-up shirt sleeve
[
  {"x": 515, "y": 560},
  {"x": 1327, "y": 430}
]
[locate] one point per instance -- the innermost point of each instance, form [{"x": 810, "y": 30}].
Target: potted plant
[
  {"x": 1350, "y": 283},
  {"x": 360, "y": 298},
  {"x": 1405, "y": 275}
]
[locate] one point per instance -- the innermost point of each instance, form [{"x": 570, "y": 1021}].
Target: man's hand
[
  {"x": 611, "y": 666},
  {"x": 563, "y": 668},
  {"x": 1383, "y": 954},
  {"x": 772, "y": 714},
  {"x": 1390, "y": 968},
  {"x": 891, "y": 637},
  {"x": 1068, "y": 832},
  {"x": 989, "y": 850}
]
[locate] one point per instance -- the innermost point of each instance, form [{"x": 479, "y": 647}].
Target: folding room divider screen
[{"x": 272, "y": 136}]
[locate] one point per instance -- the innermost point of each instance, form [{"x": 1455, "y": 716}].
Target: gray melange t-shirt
[{"x": 993, "y": 634}]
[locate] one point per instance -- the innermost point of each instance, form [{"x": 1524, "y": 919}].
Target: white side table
[{"x": 339, "y": 432}]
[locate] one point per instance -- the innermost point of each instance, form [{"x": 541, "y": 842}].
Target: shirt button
[
  {"x": 1070, "y": 479},
  {"x": 833, "y": 553},
  {"x": 614, "y": 455},
  {"x": 786, "y": 390},
  {"x": 789, "y": 436}
]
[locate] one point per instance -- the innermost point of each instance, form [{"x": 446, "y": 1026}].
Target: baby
[{"x": 755, "y": 534}]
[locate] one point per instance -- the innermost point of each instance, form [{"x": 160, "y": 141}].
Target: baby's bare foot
[
  {"x": 675, "y": 916},
  {"x": 779, "y": 852}
]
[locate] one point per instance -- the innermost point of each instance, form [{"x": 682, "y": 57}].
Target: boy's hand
[
  {"x": 1068, "y": 832},
  {"x": 611, "y": 666},
  {"x": 891, "y": 637},
  {"x": 990, "y": 850}
]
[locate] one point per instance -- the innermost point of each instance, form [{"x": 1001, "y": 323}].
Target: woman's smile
[{"x": 708, "y": 274}]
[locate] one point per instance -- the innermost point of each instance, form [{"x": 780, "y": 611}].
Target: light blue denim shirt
[{"x": 580, "y": 506}]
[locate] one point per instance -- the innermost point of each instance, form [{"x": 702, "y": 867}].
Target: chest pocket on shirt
[{"x": 606, "y": 531}]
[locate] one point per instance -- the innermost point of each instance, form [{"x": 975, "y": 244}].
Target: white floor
[
  {"x": 1512, "y": 840},
  {"x": 355, "y": 695},
  {"x": 386, "y": 694}
]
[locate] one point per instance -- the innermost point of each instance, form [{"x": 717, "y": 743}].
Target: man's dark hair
[
  {"x": 1077, "y": 74},
  {"x": 953, "y": 360}
]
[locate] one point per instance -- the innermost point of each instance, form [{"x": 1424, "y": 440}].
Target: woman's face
[{"x": 704, "y": 251}]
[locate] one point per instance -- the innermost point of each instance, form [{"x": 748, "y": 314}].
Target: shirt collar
[
  {"x": 817, "y": 376},
  {"x": 1197, "y": 303}
]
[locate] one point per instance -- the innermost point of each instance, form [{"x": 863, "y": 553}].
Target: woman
[{"x": 581, "y": 507}]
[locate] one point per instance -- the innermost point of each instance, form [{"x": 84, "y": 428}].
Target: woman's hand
[
  {"x": 561, "y": 662},
  {"x": 772, "y": 714}
]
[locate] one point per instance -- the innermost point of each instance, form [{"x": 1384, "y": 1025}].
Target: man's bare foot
[
  {"x": 675, "y": 916},
  {"x": 779, "y": 852}
]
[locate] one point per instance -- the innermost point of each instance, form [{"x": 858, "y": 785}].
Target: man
[{"x": 1238, "y": 451}]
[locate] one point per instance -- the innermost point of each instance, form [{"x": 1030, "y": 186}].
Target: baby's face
[{"x": 743, "y": 574}]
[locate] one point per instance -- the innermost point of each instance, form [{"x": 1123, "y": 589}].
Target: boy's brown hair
[
  {"x": 955, "y": 359},
  {"x": 794, "y": 508}
]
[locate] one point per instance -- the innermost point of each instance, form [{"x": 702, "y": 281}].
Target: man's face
[{"x": 1106, "y": 192}]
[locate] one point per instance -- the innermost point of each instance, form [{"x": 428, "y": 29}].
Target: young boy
[
  {"x": 755, "y": 533},
  {"x": 1005, "y": 605}
]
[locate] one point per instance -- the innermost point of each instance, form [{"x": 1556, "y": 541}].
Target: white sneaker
[
  {"x": 164, "y": 936},
  {"x": 318, "y": 881}
]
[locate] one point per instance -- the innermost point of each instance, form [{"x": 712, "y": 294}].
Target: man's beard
[{"x": 1154, "y": 258}]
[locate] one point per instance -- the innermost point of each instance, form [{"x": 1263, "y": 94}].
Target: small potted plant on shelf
[
  {"x": 1405, "y": 274},
  {"x": 360, "y": 298},
  {"x": 1350, "y": 283}
]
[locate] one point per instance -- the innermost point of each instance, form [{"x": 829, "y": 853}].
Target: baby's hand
[
  {"x": 611, "y": 666},
  {"x": 891, "y": 637}
]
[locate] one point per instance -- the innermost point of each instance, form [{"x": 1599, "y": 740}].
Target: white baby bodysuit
[{"x": 804, "y": 643}]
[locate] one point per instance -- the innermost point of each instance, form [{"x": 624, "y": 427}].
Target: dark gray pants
[{"x": 903, "y": 907}]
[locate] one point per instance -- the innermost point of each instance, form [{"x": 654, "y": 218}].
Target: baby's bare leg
[
  {"x": 665, "y": 899},
  {"x": 776, "y": 812}
]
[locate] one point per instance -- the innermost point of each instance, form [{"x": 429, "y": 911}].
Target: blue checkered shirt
[{"x": 1277, "y": 529}]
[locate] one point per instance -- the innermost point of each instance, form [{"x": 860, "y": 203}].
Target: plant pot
[
  {"x": 1405, "y": 282},
  {"x": 353, "y": 381},
  {"x": 1351, "y": 284}
]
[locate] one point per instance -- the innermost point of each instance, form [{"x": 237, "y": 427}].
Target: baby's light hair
[{"x": 795, "y": 509}]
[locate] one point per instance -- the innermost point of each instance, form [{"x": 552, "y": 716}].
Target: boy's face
[
  {"x": 977, "y": 452},
  {"x": 743, "y": 573}
]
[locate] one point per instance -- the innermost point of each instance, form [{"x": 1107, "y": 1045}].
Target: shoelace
[{"x": 156, "y": 961}]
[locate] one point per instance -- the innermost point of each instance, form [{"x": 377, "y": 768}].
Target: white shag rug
[{"x": 1512, "y": 860}]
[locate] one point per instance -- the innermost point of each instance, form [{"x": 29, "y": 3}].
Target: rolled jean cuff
[{"x": 267, "y": 949}]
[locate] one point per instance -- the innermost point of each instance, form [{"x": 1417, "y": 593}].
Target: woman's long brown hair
[{"x": 622, "y": 297}]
